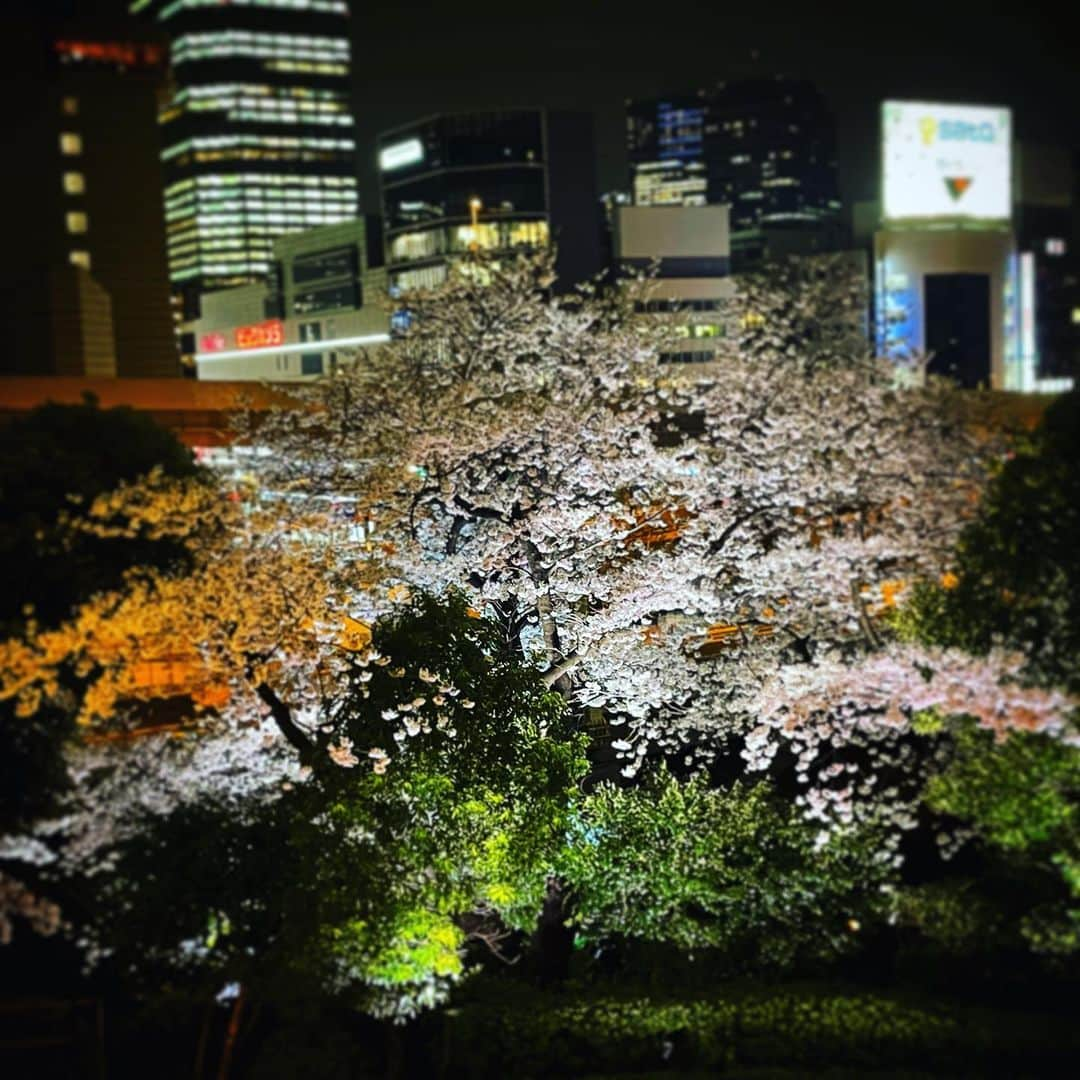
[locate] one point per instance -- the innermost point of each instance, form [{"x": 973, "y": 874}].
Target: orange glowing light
[{"x": 260, "y": 335}]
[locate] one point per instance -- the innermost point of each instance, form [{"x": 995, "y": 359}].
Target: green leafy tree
[
  {"x": 736, "y": 870},
  {"x": 1019, "y": 797},
  {"x": 407, "y": 844},
  {"x": 1017, "y": 576},
  {"x": 1016, "y": 584}
]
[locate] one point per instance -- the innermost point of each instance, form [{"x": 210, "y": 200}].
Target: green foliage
[
  {"x": 953, "y": 914},
  {"x": 1019, "y": 797},
  {"x": 738, "y": 871},
  {"x": 514, "y": 1031},
  {"x": 1018, "y": 564},
  {"x": 496, "y": 781},
  {"x": 1053, "y": 929},
  {"x": 362, "y": 884},
  {"x": 1018, "y": 794}
]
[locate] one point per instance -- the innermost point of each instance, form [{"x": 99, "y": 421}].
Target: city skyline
[{"x": 445, "y": 58}]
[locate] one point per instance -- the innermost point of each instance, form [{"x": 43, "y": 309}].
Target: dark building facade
[
  {"x": 764, "y": 147},
  {"x": 257, "y": 133},
  {"x": 84, "y": 287},
  {"x": 494, "y": 181},
  {"x": 1046, "y": 235},
  {"x": 665, "y": 142}
]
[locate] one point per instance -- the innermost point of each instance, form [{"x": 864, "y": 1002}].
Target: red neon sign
[
  {"x": 212, "y": 342},
  {"x": 124, "y": 53},
  {"x": 261, "y": 335}
]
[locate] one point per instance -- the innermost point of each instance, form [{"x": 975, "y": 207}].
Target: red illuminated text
[{"x": 260, "y": 335}]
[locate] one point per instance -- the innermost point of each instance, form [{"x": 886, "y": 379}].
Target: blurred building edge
[
  {"x": 494, "y": 181},
  {"x": 713, "y": 313},
  {"x": 1047, "y": 216},
  {"x": 325, "y": 299},
  {"x": 199, "y": 414},
  {"x": 84, "y": 286}
]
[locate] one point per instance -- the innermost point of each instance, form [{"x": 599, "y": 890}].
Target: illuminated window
[
  {"x": 69, "y": 106},
  {"x": 79, "y": 258},
  {"x": 1055, "y": 245},
  {"x": 70, "y": 144},
  {"x": 77, "y": 221},
  {"x": 1076, "y": 316},
  {"x": 74, "y": 183}
]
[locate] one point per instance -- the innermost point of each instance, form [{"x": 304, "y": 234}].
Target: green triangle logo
[{"x": 957, "y": 185}]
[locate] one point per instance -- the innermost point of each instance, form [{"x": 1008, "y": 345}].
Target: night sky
[{"x": 414, "y": 58}]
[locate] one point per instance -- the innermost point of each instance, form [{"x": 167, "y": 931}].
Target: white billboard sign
[
  {"x": 946, "y": 162},
  {"x": 400, "y": 154}
]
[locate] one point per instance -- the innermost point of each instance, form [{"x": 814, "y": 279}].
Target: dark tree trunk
[
  {"x": 200, "y": 1051},
  {"x": 554, "y": 939}
]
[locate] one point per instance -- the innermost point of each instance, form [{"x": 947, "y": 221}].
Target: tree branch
[
  {"x": 557, "y": 671},
  {"x": 864, "y": 621},
  {"x": 282, "y": 716}
]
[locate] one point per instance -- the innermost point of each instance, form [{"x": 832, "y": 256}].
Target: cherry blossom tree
[
  {"x": 706, "y": 554},
  {"x": 664, "y": 537}
]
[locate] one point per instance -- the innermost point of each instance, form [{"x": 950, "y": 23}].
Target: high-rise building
[
  {"x": 84, "y": 286},
  {"x": 665, "y": 141},
  {"x": 764, "y": 147},
  {"x": 257, "y": 133},
  {"x": 495, "y": 181}
]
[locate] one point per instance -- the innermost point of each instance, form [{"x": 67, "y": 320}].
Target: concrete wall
[
  {"x": 228, "y": 308},
  {"x": 646, "y": 232}
]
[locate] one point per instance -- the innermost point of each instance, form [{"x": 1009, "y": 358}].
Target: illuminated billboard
[
  {"x": 260, "y": 335},
  {"x": 946, "y": 162},
  {"x": 400, "y": 154},
  {"x": 214, "y": 342}
]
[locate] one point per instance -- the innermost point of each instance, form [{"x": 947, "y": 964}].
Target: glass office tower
[
  {"x": 257, "y": 133},
  {"x": 764, "y": 147},
  {"x": 498, "y": 181}
]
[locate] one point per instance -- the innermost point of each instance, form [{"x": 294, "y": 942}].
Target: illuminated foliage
[
  {"x": 736, "y": 871},
  {"x": 370, "y": 881},
  {"x": 55, "y": 463}
]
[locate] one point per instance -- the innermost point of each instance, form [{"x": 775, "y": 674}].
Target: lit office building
[
  {"x": 666, "y": 147},
  {"x": 764, "y": 147},
  {"x": 257, "y": 133},
  {"x": 498, "y": 181},
  {"x": 85, "y": 288}
]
